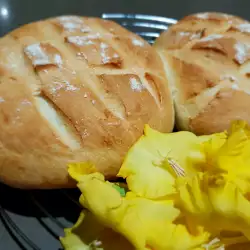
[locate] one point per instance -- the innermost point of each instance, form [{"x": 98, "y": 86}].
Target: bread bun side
[
  {"x": 75, "y": 89},
  {"x": 206, "y": 57}
]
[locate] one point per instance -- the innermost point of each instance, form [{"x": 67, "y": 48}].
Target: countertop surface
[{"x": 33, "y": 220}]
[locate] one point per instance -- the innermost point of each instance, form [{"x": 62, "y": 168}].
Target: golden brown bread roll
[
  {"x": 75, "y": 89},
  {"x": 206, "y": 58}
]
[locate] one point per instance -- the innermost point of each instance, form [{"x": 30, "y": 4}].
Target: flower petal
[
  {"x": 77, "y": 170},
  {"x": 209, "y": 198},
  {"x": 88, "y": 234},
  {"x": 146, "y": 166}
]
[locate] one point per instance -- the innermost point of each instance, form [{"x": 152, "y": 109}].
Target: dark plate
[{"x": 34, "y": 220}]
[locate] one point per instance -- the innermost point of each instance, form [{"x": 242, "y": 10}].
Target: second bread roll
[{"x": 206, "y": 58}]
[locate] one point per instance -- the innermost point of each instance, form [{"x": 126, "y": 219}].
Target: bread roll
[
  {"x": 206, "y": 58},
  {"x": 75, "y": 89}
]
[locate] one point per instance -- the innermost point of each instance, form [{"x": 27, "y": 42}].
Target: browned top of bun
[
  {"x": 75, "y": 89},
  {"x": 207, "y": 57}
]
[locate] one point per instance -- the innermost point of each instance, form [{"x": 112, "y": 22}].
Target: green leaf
[{"x": 121, "y": 190}]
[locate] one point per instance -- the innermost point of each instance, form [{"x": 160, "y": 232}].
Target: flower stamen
[
  {"x": 179, "y": 171},
  {"x": 214, "y": 244}
]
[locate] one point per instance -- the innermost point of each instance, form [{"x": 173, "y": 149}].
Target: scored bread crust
[
  {"x": 75, "y": 89},
  {"x": 206, "y": 57}
]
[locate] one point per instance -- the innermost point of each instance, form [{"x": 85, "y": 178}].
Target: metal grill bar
[
  {"x": 166, "y": 20},
  {"x": 16, "y": 230},
  {"x": 42, "y": 209},
  {"x": 149, "y": 34},
  {"x": 65, "y": 193},
  {"x": 152, "y": 25},
  {"x": 145, "y": 25}
]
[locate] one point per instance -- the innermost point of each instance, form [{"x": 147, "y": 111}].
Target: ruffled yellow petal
[
  {"x": 147, "y": 166},
  {"x": 147, "y": 224},
  {"x": 193, "y": 197},
  {"x": 77, "y": 170},
  {"x": 233, "y": 153},
  {"x": 232, "y": 156},
  {"x": 217, "y": 137},
  {"x": 90, "y": 234},
  {"x": 211, "y": 145},
  {"x": 239, "y": 125},
  {"x": 95, "y": 190},
  {"x": 214, "y": 198},
  {"x": 221, "y": 193}
]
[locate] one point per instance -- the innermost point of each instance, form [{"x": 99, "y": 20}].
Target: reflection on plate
[{"x": 33, "y": 217}]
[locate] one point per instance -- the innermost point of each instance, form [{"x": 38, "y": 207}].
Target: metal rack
[{"x": 32, "y": 219}]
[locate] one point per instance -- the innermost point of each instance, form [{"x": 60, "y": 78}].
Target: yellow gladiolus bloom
[
  {"x": 182, "y": 192},
  {"x": 221, "y": 193},
  {"x": 145, "y": 223}
]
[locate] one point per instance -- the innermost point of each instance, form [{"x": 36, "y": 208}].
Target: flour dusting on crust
[
  {"x": 80, "y": 40},
  {"x": 73, "y": 23},
  {"x": 211, "y": 37},
  {"x": 243, "y": 27},
  {"x": 37, "y": 55},
  {"x": 242, "y": 52},
  {"x": 136, "y": 85}
]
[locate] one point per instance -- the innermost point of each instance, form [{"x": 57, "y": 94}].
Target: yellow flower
[
  {"x": 221, "y": 193},
  {"x": 148, "y": 166},
  {"x": 183, "y": 192},
  {"x": 147, "y": 224}
]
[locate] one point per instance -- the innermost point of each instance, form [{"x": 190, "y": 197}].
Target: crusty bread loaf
[
  {"x": 206, "y": 58},
  {"x": 75, "y": 89}
]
